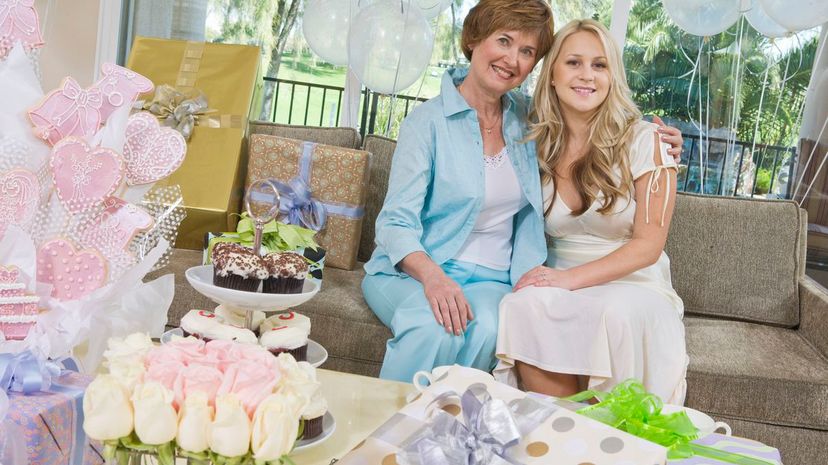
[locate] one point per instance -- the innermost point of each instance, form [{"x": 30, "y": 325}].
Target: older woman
[{"x": 462, "y": 220}]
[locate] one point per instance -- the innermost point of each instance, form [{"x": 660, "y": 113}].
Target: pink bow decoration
[
  {"x": 68, "y": 111},
  {"x": 18, "y": 21},
  {"x": 119, "y": 86}
]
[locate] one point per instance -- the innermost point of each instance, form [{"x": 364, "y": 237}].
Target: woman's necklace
[{"x": 490, "y": 128}]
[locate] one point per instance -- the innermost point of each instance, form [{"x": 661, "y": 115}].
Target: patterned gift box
[
  {"x": 52, "y": 423},
  {"x": 563, "y": 438},
  {"x": 336, "y": 176},
  {"x": 732, "y": 445}
]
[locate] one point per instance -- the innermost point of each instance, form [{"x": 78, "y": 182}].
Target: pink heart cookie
[
  {"x": 18, "y": 21},
  {"x": 120, "y": 86},
  {"x": 84, "y": 176},
  {"x": 19, "y": 190},
  {"x": 72, "y": 273},
  {"x": 120, "y": 221},
  {"x": 68, "y": 111},
  {"x": 151, "y": 152}
]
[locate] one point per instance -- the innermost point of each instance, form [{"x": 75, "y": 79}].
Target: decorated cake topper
[
  {"x": 19, "y": 192},
  {"x": 112, "y": 232},
  {"x": 72, "y": 273},
  {"x": 151, "y": 152},
  {"x": 68, "y": 111},
  {"x": 84, "y": 176},
  {"x": 120, "y": 86},
  {"x": 18, "y": 21}
]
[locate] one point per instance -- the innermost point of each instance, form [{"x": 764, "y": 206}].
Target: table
[{"x": 359, "y": 405}]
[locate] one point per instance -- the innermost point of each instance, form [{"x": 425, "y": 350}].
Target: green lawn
[{"x": 303, "y": 69}]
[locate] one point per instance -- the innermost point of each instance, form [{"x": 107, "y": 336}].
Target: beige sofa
[{"x": 757, "y": 327}]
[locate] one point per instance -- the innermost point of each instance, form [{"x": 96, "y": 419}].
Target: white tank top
[{"x": 490, "y": 242}]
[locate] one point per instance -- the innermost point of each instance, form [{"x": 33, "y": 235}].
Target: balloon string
[
  {"x": 756, "y": 126},
  {"x": 687, "y": 105},
  {"x": 808, "y": 162},
  {"x": 819, "y": 170},
  {"x": 801, "y": 114},
  {"x": 736, "y": 90}
]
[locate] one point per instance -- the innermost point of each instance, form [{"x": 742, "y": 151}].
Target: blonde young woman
[{"x": 603, "y": 309}]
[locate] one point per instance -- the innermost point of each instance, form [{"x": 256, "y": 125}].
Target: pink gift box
[{"x": 52, "y": 423}]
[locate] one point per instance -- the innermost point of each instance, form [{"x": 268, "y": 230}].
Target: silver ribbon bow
[
  {"x": 491, "y": 428},
  {"x": 180, "y": 111}
]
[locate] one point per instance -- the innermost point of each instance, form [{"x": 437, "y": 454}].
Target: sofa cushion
[
  {"x": 738, "y": 258},
  {"x": 342, "y": 137},
  {"x": 381, "y": 149},
  {"x": 756, "y": 373}
]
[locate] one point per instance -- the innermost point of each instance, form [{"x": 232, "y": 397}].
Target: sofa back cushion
[
  {"x": 738, "y": 258},
  {"x": 381, "y": 150},
  {"x": 341, "y": 137}
]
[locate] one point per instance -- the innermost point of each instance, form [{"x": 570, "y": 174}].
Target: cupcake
[
  {"x": 238, "y": 269},
  {"x": 286, "y": 333},
  {"x": 236, "y": 318},
  {"x": 287, "y": 271},
  {"x": 314, "y": 412},
  {"x": 206, "y": 326},
  {"x": 197, "y": 322}
]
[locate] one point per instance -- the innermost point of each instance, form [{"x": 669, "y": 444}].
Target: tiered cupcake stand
[{"x": 201, "y": 278}]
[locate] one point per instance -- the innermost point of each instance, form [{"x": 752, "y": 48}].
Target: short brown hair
[{"x": 488, "y": 16}]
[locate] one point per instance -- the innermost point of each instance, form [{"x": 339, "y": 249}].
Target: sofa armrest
[{"x": 813, "y": 323}]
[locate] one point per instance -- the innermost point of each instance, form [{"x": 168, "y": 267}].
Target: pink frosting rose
[
  {"x": 250, "y": 382},
  {"x": 189, "y": 346},
  {"x": 164, "y": 354},
  {"x": 194, "y": 378}
]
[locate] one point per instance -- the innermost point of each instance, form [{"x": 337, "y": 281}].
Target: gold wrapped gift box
[
  {"x": 336, "y": 176},
  {"x": 212, "y": 175}
]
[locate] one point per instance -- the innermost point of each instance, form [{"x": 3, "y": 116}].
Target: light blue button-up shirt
[{"x": 436, "y": 186}]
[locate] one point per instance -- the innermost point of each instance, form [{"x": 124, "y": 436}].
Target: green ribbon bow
[
  {"x": 632, "y": 409},
  {"x": 276, "y": 236}
]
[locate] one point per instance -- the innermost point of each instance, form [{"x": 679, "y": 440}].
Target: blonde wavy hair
[{"x": 610, "y": 128}]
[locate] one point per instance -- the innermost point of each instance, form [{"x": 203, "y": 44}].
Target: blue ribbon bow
[
  {"x": 299, "y": 206},
  {"x": 297, "y": 202},
  {"x": 491, "y": 428},
  {"x": 26, "y": 373}
]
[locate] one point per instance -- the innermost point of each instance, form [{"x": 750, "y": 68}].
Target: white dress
[{"x": 629, "y": 328}]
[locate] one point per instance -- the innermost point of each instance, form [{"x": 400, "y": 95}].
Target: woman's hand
[
  {"x": 543, "y": 276},
  {"x": 671, "y": 136},
  {"x": 448, "y": 303}
]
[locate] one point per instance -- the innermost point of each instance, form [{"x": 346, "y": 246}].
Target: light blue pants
[{"x": 419, "y": 342}]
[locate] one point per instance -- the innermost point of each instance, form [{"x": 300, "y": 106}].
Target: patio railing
[{"x": 295, "y": 102}]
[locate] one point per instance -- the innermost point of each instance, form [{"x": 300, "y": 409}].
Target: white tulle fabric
[{"x": 628, "y": 328}]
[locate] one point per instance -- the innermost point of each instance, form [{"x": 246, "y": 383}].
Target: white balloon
[
  {"x": 389, "y": 46},
  {"x": 703, "y": 17},
  {"x": 796, "y": 15},
  {"x": 431, "y": 8},
  {"x": 759, "y": 19},
  {"x": 325, "y": 25}
]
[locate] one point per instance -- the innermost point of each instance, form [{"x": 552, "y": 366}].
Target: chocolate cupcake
[
  {"x": 238, "y": 269},
  {"x": 287, "y": 273}
]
